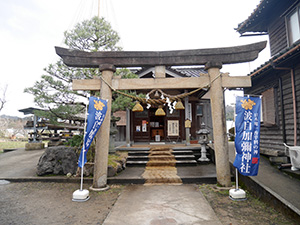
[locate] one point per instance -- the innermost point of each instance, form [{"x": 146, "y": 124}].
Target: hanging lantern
[
  {"x": 160, "y": 111},
  {"x": 137, "y": 107},
  {"x": 179, "y": 105}
]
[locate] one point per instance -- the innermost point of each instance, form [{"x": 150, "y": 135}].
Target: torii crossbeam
[{"x": 212, "y": 58}]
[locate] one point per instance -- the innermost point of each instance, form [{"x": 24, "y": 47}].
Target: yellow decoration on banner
[
  {"x": 98, "y": 105},
  {"x": 248, "y": 105}
]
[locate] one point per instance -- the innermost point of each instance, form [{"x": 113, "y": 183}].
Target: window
[
  {"x": 268, "y": 107},
  {"x": 293, "y": 25},
  {"x": 199, "y": 110}
]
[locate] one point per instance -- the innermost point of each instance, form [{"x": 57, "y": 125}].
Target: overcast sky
[{"x": 31, "y": 28}]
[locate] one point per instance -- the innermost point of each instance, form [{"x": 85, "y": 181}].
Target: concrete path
[
  {"x": 19, "y": 163},
  {"x": 161, "y": 205},
  {"x": 283, "y": 187}
]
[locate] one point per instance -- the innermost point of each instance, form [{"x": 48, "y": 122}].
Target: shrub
[{"x": 231, "y": 134}]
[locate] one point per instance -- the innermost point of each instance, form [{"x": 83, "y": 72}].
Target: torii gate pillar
[
  {"x": 219, "y": 124},
  {"x": 102, "y": 137}
]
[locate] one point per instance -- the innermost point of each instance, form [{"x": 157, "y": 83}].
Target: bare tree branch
[{"x": 3, "y": 98}]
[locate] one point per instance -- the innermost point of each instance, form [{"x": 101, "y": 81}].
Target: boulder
[
  {"x": 111, "y": 171},
  {"x": 57, "y": 160},
  {"x": 88, "y": 170}
]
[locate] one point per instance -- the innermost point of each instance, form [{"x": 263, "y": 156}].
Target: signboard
[
  {"x": 138, "y": 128},
  {"x": 173, "y": 127},
  {"x": 144, "y": 125},
  {"x": 187, "y": 123},
  {"x": 247, "y": 128}
]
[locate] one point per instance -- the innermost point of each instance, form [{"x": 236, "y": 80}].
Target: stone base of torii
[{"x": 213, "y": 59}]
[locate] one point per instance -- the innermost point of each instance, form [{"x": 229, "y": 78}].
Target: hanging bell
[
  {"x": 156, "y": 95},
  {"x": 179, "y": 105},
  {"x": 137, "y": 107},
  {"x": 160, "y": 111}
]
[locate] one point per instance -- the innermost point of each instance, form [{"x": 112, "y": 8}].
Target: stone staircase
[{"x": 182, "y": 157}]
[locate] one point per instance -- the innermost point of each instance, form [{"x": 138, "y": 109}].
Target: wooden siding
[
  {"x": 278, "y": 36},
  {"x": 268, "y": 106},
  {"x": 272, "y": 136},
  {"x": 288, "y": 106},
  {"x": 263, "y": 83},
  {"x": 297, "y": 89}
]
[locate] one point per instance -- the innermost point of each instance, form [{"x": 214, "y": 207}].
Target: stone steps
[
  {"x": 178, "y": 163},
  {"x": 175, "y": 152},
  {"x": 146, "y": 158},
  {"x": 163, "y": 180},
  {"x": 141, "y": 158}
]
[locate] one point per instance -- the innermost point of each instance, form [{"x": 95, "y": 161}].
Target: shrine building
[{"x": 147, "y": 126}]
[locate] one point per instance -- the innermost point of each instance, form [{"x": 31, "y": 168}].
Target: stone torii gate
[{"x": 213, "y": 59}]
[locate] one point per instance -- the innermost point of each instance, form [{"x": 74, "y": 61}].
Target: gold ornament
[
  {"x": 179, "y": 105},
  {"x": 160, "y": 111},
  {"x": 137, "y": 107}
]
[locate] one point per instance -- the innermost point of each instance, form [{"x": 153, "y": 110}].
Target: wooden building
[
  {"x": 41, "y": 129},
  {"x": 147, "y": 127},
  {"x": 277, "y": 80}
]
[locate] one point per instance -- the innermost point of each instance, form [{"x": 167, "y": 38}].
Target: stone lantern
[
  {"x": 112, "y": 133},
  {"x": 203, "y": 141}
]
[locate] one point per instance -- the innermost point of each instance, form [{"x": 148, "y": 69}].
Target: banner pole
[
  {"x": 236, "y": 170},
  {"x": 236, "y": 194},
  {"x": 83, "y": 149},
  {"x": 82, "y": 195},
  {"x": 236, "y": 179}
]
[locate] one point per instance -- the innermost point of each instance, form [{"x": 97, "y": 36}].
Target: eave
[
  {"x": 277, "y": 60},
  {"x": 252, "y": 20},
  {"x": 264, "y": 13}
]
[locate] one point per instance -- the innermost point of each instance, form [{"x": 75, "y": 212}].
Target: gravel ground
[{"x": 51, "y": 203}]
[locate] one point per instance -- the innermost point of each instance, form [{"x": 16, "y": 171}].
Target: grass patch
[
  {"x": 246, "y": 212},
  {"x": 113, "y": 159},
  {"x": 11, "y": 145}
]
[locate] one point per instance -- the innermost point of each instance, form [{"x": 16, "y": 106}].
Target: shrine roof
[
  {"x": 176, "y": 71},
  {"x": 30, "y": 110},
  {"x": 190, "y": 71}
]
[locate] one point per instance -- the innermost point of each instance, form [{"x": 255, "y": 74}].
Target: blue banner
[
  {"x": 96, "y": 114},
  {"x": 247, "y": 129}
]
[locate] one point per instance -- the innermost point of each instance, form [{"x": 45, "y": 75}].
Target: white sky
[{"x": 31, "y": 28}]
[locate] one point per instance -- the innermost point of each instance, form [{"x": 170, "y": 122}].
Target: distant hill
[{"x": 14, "y": 117}]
